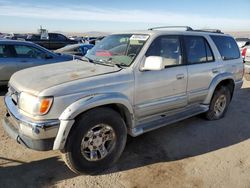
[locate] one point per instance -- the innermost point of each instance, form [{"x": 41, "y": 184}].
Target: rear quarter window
[{"x": 227, "y": 47}]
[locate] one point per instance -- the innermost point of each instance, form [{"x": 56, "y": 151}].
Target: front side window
[
  {"x": 23, "y": 51},
  {"x": 119, "y": 49},
  {"x": 167, "y": 47},
  {"x": 227, "y": 47},
  {"x": 198, "y": 50}
]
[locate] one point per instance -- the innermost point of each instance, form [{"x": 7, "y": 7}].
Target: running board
[{"x": 164, "y": 119}]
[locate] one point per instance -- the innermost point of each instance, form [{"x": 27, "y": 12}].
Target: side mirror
[{"x": 153, "y": 63}]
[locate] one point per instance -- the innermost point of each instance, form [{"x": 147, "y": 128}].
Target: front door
[{"x": 161, "y": 91}]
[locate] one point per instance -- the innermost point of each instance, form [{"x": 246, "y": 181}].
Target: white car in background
[{"x": 246, "y": 57}]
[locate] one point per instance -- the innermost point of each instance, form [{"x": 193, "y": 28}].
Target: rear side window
[
  {"x": 198, "y": 50},
  {"x": 227, "y": 47}
]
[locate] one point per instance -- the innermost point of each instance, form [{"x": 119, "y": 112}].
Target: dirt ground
[{"x": 191, "y": 153}]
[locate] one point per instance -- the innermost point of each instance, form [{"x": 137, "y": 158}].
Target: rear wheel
[
  {"x": 96, "y": 142},
  {"x": 219, "y": 103}
]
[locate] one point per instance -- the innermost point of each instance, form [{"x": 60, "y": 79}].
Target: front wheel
[
  {"x": 96, "y": 141},
  {"x": 219, "y": 104}
]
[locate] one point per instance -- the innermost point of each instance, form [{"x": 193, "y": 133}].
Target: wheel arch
[
  {"x": 224, "y": 79},
  {"x": 117, "y": 102}
]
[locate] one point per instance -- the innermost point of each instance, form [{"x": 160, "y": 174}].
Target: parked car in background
[
  {"x": 75, "y": 49},
  {"x": 241, "y": 42},
  {"x": 16, "y": 55},
  {"x": 54, "y": 41},
  {"x": 246, "y": 53},
  {"x": 93, "y": 40},
  {"x": 15, "y": 36}
]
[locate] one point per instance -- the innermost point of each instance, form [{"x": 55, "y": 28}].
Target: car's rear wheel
[
  {"x": 96, "y": 141},
  {"x": 219, "y": 103}
]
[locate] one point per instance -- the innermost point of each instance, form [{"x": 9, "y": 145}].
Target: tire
[
  {"x": 247, "y": 76},
  {"x": 79, "y": 159},
  {"x": 212, "y": 113}
]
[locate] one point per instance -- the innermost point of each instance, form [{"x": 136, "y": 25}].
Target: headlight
[{"x": 34, "y": 105}]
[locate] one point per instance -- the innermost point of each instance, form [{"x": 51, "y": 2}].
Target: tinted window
[
  {"x": 227, "y": 47},
  {"x": 56, "y": 37},
  {"x": 1, "y": 50},
  {"x": 28, "y": 52},
  {"x": 198, "y": 50},
  {"x": 61, "y": 37},
  {"x": 6, "y": 51},
  {"x": 167, "y": 47}
]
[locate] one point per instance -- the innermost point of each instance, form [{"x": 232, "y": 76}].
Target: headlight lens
[{"x": 34, "y": 105}]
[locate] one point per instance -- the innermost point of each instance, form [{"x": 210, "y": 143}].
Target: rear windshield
[{"x": 227, "y": 47}]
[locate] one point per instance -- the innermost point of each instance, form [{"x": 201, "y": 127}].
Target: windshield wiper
[
  {"x": 86, "y": 59},
  {"x": 110, "y": 61}
]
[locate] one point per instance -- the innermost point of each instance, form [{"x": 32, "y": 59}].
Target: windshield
[{"x": 119, "y": 49}]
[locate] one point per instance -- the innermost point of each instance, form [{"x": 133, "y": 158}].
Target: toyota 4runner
[{"x": 129, "y": 83}]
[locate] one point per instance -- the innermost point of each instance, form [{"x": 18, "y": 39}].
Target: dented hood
[{"x": 36, "y": 79}]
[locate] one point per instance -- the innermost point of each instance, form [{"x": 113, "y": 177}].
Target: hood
[{"x": 36, "y": 79}]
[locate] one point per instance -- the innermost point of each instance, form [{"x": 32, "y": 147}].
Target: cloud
[{"x": 88, "y": 13}]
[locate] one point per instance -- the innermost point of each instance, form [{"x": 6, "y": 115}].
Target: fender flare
[
  {"x": 215, "y": 82},
  {"x": 93, "y": 101},
  {"x": 82, "y": 105}
]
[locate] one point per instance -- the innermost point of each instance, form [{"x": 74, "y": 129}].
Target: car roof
[{"x": 9, "y": 41}]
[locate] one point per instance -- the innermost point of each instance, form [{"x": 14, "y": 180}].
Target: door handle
[
  {"x": 180, "y": 76},
  {"x": 215, "y": 71}
]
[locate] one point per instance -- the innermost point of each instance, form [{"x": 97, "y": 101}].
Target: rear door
[
  {"x": 8, "y": 62},
  {"x": 202, "y": 67}
]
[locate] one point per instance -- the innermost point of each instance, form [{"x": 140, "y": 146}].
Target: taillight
[{"x": 243, "y": 53}]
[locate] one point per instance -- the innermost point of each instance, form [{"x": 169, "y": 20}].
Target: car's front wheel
[{"x": 96, "y": 141}]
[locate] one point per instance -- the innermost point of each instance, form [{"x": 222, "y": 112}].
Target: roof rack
[
  {"x": 209, "y": 30},
  {"x": 170, "y": 27},
  {"x": 188, "y": 29}
]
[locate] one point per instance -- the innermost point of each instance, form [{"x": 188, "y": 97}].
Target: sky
[{"x": 117, "y": 15}]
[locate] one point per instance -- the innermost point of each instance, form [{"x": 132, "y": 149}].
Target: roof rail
[
  {"x": 170, "y": 27},
  {"x": 209, "y": 30}
]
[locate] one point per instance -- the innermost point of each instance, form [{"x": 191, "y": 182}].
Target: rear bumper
[{"x": 37, "y": 135}]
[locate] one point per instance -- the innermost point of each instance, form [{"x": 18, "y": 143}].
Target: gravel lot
[{"x": 191, "y": 153}]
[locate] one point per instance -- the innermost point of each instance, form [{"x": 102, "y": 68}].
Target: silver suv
[{"x": 129, "y": 83}]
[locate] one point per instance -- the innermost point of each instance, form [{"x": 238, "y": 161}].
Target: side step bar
[{"x": 163, "y": 120}]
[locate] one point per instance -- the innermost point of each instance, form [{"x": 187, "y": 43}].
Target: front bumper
[{"x": 37, "y": 135}]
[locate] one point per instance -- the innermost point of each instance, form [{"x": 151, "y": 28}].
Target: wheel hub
[
  {"x": 220, "y": 105},
  {"x": 98, "y": 142}
]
